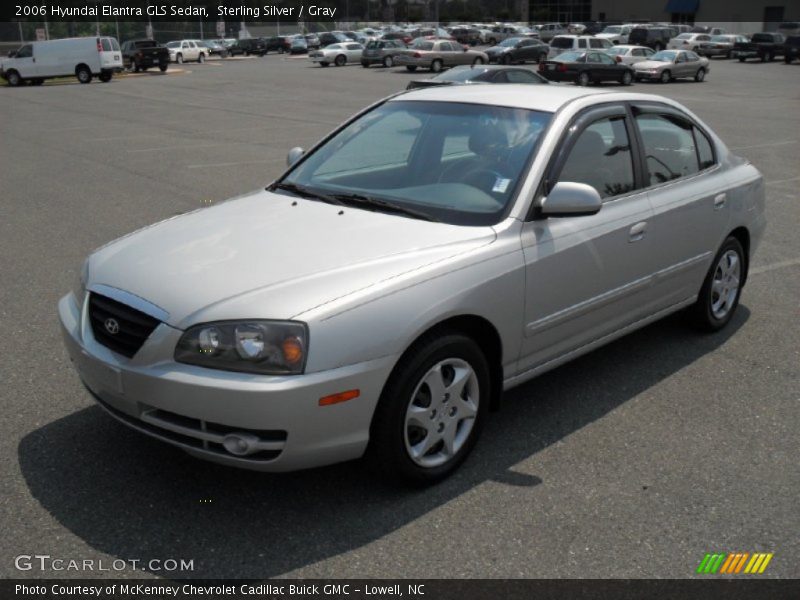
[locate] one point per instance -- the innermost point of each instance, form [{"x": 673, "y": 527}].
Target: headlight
[
  {"x": 79, "y": 287},
  {"x": 262, "y": 347}
]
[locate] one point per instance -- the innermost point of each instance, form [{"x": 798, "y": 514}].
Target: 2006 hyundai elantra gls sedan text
[{"x": 441, "y": 246}]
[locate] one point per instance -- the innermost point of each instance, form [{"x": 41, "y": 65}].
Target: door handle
[
  {"x": 637, "y": 231},
  {"x": 719, "y": 200}
]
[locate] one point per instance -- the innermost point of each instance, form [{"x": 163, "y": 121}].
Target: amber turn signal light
[
  {"x": 292, "y": 350},
  {"x": 340, "y": 397}
]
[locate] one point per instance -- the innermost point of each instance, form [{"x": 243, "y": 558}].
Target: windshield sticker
[{"x": 501, "y": 185}]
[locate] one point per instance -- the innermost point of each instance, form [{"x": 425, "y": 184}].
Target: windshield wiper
[
  {"x": 369, "y": 201},
  {"x": 305, "y": 192}
]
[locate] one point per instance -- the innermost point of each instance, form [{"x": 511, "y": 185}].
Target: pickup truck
[
  {"x": 140, "y": 55},
  {"x": 766, "y": 46}
]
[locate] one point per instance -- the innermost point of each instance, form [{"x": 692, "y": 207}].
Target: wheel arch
[{"x": 482, "y": 332}]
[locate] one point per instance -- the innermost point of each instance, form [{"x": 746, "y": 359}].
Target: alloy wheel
[
  {"x": 725, "y": 285},
  {"x": 441, "y": 413}
]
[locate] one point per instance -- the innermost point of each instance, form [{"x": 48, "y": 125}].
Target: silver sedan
[
  {"x": 667, "y": 65},
  {"x": 337, "y": 54},
  {"x": 438, "y": 54},
  {"x": 440, "y": 247}
]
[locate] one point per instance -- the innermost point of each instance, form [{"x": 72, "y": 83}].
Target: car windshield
[
  {"x": 453, "y": 162},
  {"x": 685, "y": 36},
  {"x": 511, "y": 42},
  {"x": 664, "y": 56},
  {"x": 461, "y": 74},
  {"x": 612, "y": 29}
]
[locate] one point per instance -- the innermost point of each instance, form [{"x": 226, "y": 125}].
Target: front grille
[{"x": 133, "y": 326}]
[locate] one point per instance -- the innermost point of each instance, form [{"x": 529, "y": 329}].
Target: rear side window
[
  {"x": 115, "y": 44},
  {"x": 669, "y": 147},
  {"x": 106, "y": 44},
  {"x": 705, "y": 152},
  {"x": 601, "y": 158}
]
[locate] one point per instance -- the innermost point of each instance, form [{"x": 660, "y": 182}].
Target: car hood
[
  {"x": 650, "y": 64},
  {"x": 269, "y": 255}
]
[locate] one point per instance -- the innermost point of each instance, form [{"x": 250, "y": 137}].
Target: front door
[
  {"x": 588, "y": 276},
  {"x": 25, "y": 62}
]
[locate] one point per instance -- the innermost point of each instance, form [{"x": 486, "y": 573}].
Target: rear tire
[
  {"x": 722, "y": 288},
  {"x": 163, "y": 67},
  {"x": 436, "y": 66},
  {"x": 179, "y": 59},
  {"x": 742, "y": 59},
  {"x": 477, "y": 61},
  {"x": 365, "y": 64},
  {"x": 425, "y": 423},
  {"x": 134, "y": 66},
  {"x": 411, "y": 68},
  {"x": 583, "y": 79},
  {"x": 84, "y": 74}
]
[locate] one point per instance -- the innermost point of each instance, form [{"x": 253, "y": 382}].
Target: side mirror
[
  {"x": 569, "y": 199},
  {"x": 12, "y": 54},
  {"x": 294, "y": 155}
]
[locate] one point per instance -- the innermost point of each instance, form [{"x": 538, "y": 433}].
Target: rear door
[
  {"x": 687, "y": 190},
  {"x": 589, "y": 276}
]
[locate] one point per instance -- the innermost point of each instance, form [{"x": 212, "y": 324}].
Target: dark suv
[
  {"x": 791, "y": 49},
  {"x": 279, "y": 44},
  {"x": 652, "y": 37},
  {"x": 253, "y": 46}
]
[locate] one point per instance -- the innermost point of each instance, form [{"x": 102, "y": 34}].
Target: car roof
[{"x": 548, "y": 99}]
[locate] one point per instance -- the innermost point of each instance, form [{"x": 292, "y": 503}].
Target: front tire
[
  {"x": 13, "y": 78},
  {"x": 436, "y": 66},
  {"x": 340, "y": 60},
  {"x": 722, "y": 287},
  {"x": 432, "y": 409},
  {"x": 477, "y": 61},
  {"x": 179, "y": 59},
  {"x": 163, "y": 67},
  {"x": 583, "y": 79},
  {"x": 388, "y": 62},
  {"x": 201, "y": 59},
  {"x": 627, "y": 78},
  {"x": 666, "y": 77},
  {"x": 700, "y": 75}
]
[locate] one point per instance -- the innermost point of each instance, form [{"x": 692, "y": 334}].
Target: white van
[
  {"x": 83, "y": 57},
  {"x": 568, "y": 43}
]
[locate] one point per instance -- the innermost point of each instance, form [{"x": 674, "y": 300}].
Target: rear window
[
  {"x": 106, "y": 43},
  {"x": 561, "y": 42}
]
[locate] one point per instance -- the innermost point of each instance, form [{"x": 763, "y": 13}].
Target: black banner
[
  {"x": 271, "y": 11},
  {"x": 430, "y": 589}
]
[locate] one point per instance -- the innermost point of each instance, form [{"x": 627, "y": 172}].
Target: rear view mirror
[
  {"x": 570, "y": 199},
  {"x": 294, "y": 155}
]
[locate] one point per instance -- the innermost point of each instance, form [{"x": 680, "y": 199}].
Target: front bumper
[{"x": 196, "y": 408}]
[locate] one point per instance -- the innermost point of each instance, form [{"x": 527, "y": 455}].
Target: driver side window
[
  {"x": 601, "y": 158},
  {"x": 25, "y": 52}
]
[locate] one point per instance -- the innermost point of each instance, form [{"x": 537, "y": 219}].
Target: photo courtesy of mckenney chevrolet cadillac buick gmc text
[{"x": 442, "y": 246}]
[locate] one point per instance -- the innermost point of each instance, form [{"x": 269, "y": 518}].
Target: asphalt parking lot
[{"x": 633, "y": 461}]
